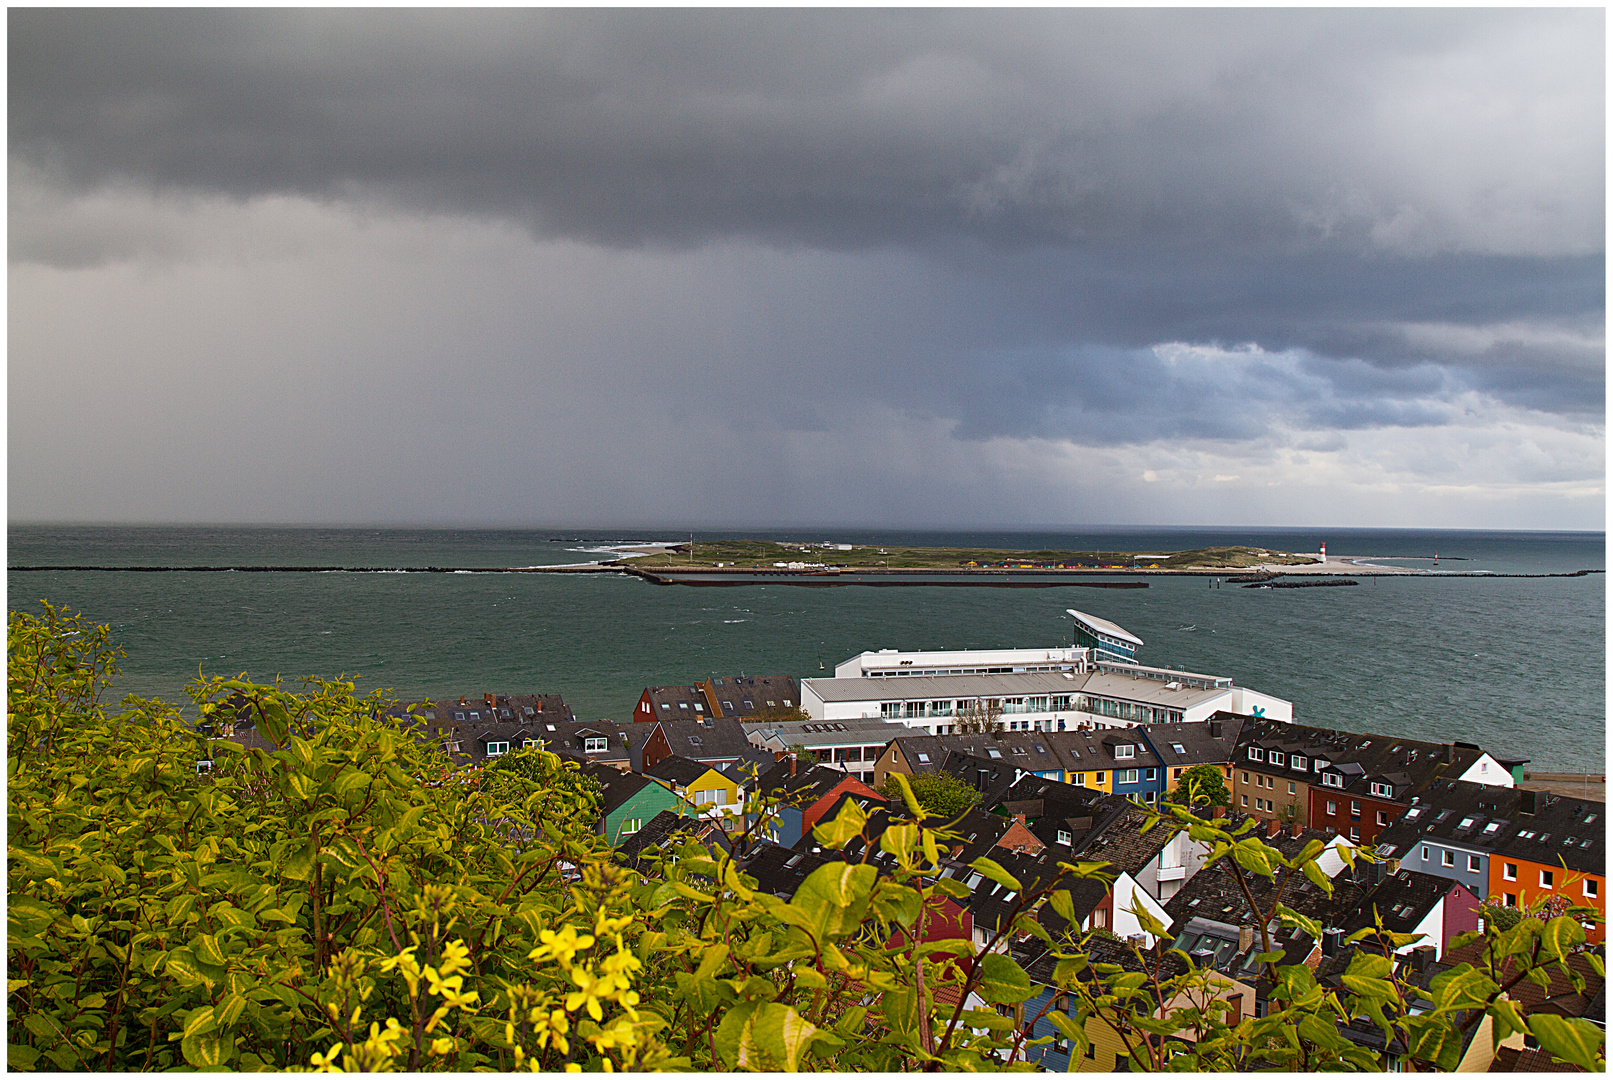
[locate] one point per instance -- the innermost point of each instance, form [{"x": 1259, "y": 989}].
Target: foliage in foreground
[
  {"x": 940, "y": 795},
  {"x": 345, "y": 903}
]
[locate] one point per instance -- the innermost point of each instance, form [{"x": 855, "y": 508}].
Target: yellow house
[{"x": 711, "y": 793}]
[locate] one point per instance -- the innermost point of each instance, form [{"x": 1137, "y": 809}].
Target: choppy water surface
[{"x": 1515, "y": 664}]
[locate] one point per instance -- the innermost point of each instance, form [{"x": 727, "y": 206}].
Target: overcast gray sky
[{"x": 906, "y": 268}]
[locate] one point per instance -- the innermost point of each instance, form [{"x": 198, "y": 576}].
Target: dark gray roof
[
  {"x": 681, "y": 771},
  {"x": 664, "y": 831},
  {"x": 1561, "y": 829},
  {"x": 707, "y": 740},
  {"x": 1407, "y": 764},
  {"x": 1187, "y": 744},
  {"x": 1402, "y": 900}
]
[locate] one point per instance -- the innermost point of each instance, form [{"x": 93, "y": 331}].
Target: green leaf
[
  {"x": 908, "y": 797},
  {"x": 300, "y": 866},
  {"x": 834, "y": 898},
  {"x": 205, "y": 947},
  {"x": 994, "y": 872},
  {"x": 1323, "y": 1033},
  {"x": 1570, "y": 1039},
  {"x": 1561, "y": 935},
  {"x": 1064, "y": 905},
  {"x": 1002, "y": 981},
  {"x": 203, "y": 1051},
  {"x": 847, "y": 824},
  {"x": 21, "y": 1058}
]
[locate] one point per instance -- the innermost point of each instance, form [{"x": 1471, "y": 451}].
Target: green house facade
[{"x": 630, "y": 800}]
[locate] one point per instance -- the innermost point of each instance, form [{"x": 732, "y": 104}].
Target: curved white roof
[{"x": 1103, "y": 626}]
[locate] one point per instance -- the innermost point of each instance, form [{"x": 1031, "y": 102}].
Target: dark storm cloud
[
  {"x": 840, "y": 128},
  {"x": 1110, "y": 228}
]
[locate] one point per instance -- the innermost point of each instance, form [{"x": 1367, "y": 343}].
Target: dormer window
[
  {"x": 1256, "y": 754},
  {"x": 1386, "y": 792},
  {"x": 596, "y": 745},
  {"x": 505, "y": 713},
  {"x": 1275, "y": 757},
  {"x": 1064, "y": 836},
  {"x": 1332, "y": 780},
  {"x": 497, "y": 749},
  {"x": 1297, "y": 761},
  {"x": 529, "y": 742},
  {"x": 1125, "y": 750}
]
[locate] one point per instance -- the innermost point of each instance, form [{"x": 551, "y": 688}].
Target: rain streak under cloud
[{"x": 828, "y": 267}]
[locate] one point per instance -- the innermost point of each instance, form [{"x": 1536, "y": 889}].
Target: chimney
[
  {"x": 1215, "y": 729},
  {"x": 1529, "y": 802},
  {"x": 1273, "y": 828},
  {"x": 792, "y": 762},
  {"x": 492, "y": 701},
  {"x": 1421, "y": 957},
  {"x": 1331, "y": 938},
  {"x": 1246, "y": 938},
  {"x": 1020, "y": 818},
  {"x": 1450, "y": 753},
  {"x": 1299, "y": 830},
  {"x": 1393, "y": 868}
]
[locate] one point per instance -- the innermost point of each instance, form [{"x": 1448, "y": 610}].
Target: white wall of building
[{"x": 1487, "y": 770}]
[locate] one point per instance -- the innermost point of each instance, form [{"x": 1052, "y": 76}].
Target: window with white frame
[
  {"x": 1276, "y": 757},
  {"x": 1593, "y": 888},
  {"x": 1125, "y": 776},
  {"x": 1381, "y": 790},
  {"x": 1447, "y": 858},
  {"x": 1547, "y": 879},
  {"x": 1256, "y": 754},
  {"x": 1473, "y": 864},
  {"x": 1151, "y": 774},
  {"x": 1355, "y": 809},
  {"x": 1333, "y": 808},
  {"x": 1125, "y": 750},
  {"x": 1297, "y": 761},
  {"x": 1292, "y": 790},
  {"x": 525, "y": 743},
  {"x": 1332, "y": 780},
  {"x": 497, "y": 749},
  {"x": 1064, "y": 836},
  {"x": 595, "y": 745},
  {"x": 631, "y": 825},
  {"x": 1382, "y": 818},
  {"x": 1509, "y": 871}
]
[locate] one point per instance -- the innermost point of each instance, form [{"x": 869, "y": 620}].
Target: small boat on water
[{"x": 1193, "y": 627}]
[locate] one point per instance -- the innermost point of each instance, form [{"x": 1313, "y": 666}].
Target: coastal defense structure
[{"x": 1106, "y": 640}]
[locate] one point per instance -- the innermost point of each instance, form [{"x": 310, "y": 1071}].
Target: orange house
[{"x": 1554, "y": 850}]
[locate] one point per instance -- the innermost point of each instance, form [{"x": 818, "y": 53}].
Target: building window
[
  {"x": 1176, "y": 774},
  {"x": 529, "y": 742},
  {"x": 1509, "y": 871},
  {"x": 1097, "y": 778},
  {"x": 1333, "y": 808},
  {"x": 1425, "y": 853},
  {"x": 1381, "y": 790},
  {"x": 1126, "y": 776},
  {"x": 1256, "y": 754},
  {"x": 1509, "y": 899},
  {"x": 1125, "y": 751},
  {"x": 1446, "y": 858},
  {"x": 1332, "y": 780},
  {"x": 595, "y": 745},
  {"x": 1355, "y": 809},
  {"x": 497, "y": 749},
  {"x": 1473, "y": 863},
  {"x": 1275, "y": 758},
  {"x": 1355, "y": 835},
  {"x": 1245, "y": 778},
  {"x": 1297, "y": 762},
  {"x": 1291, "y": 789},
  {"x": 1382, "y": 818},
  {"x": 1546, "y": 879},
  {"x": 1150, "y": 775},
  {"x": 1149, "y": 798},
  {"x": 1080, "y": 779},
  {"x": 1064, "y": 836},
  {"x": 1245, "y": 801},
  {"x": 1592, "y": 888},
  {"x": 631, "y": 825}
]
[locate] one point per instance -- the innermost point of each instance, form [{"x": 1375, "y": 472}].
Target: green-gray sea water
[{"x": 1517, "y": 665}]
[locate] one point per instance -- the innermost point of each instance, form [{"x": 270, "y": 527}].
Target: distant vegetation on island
[{"x": 764, "y": 553}]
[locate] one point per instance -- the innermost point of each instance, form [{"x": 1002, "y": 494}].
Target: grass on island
[{"x": 764, "y": 553}]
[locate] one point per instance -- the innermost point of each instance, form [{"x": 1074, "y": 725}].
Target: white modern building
[{"x": 1078, "y": 694}]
